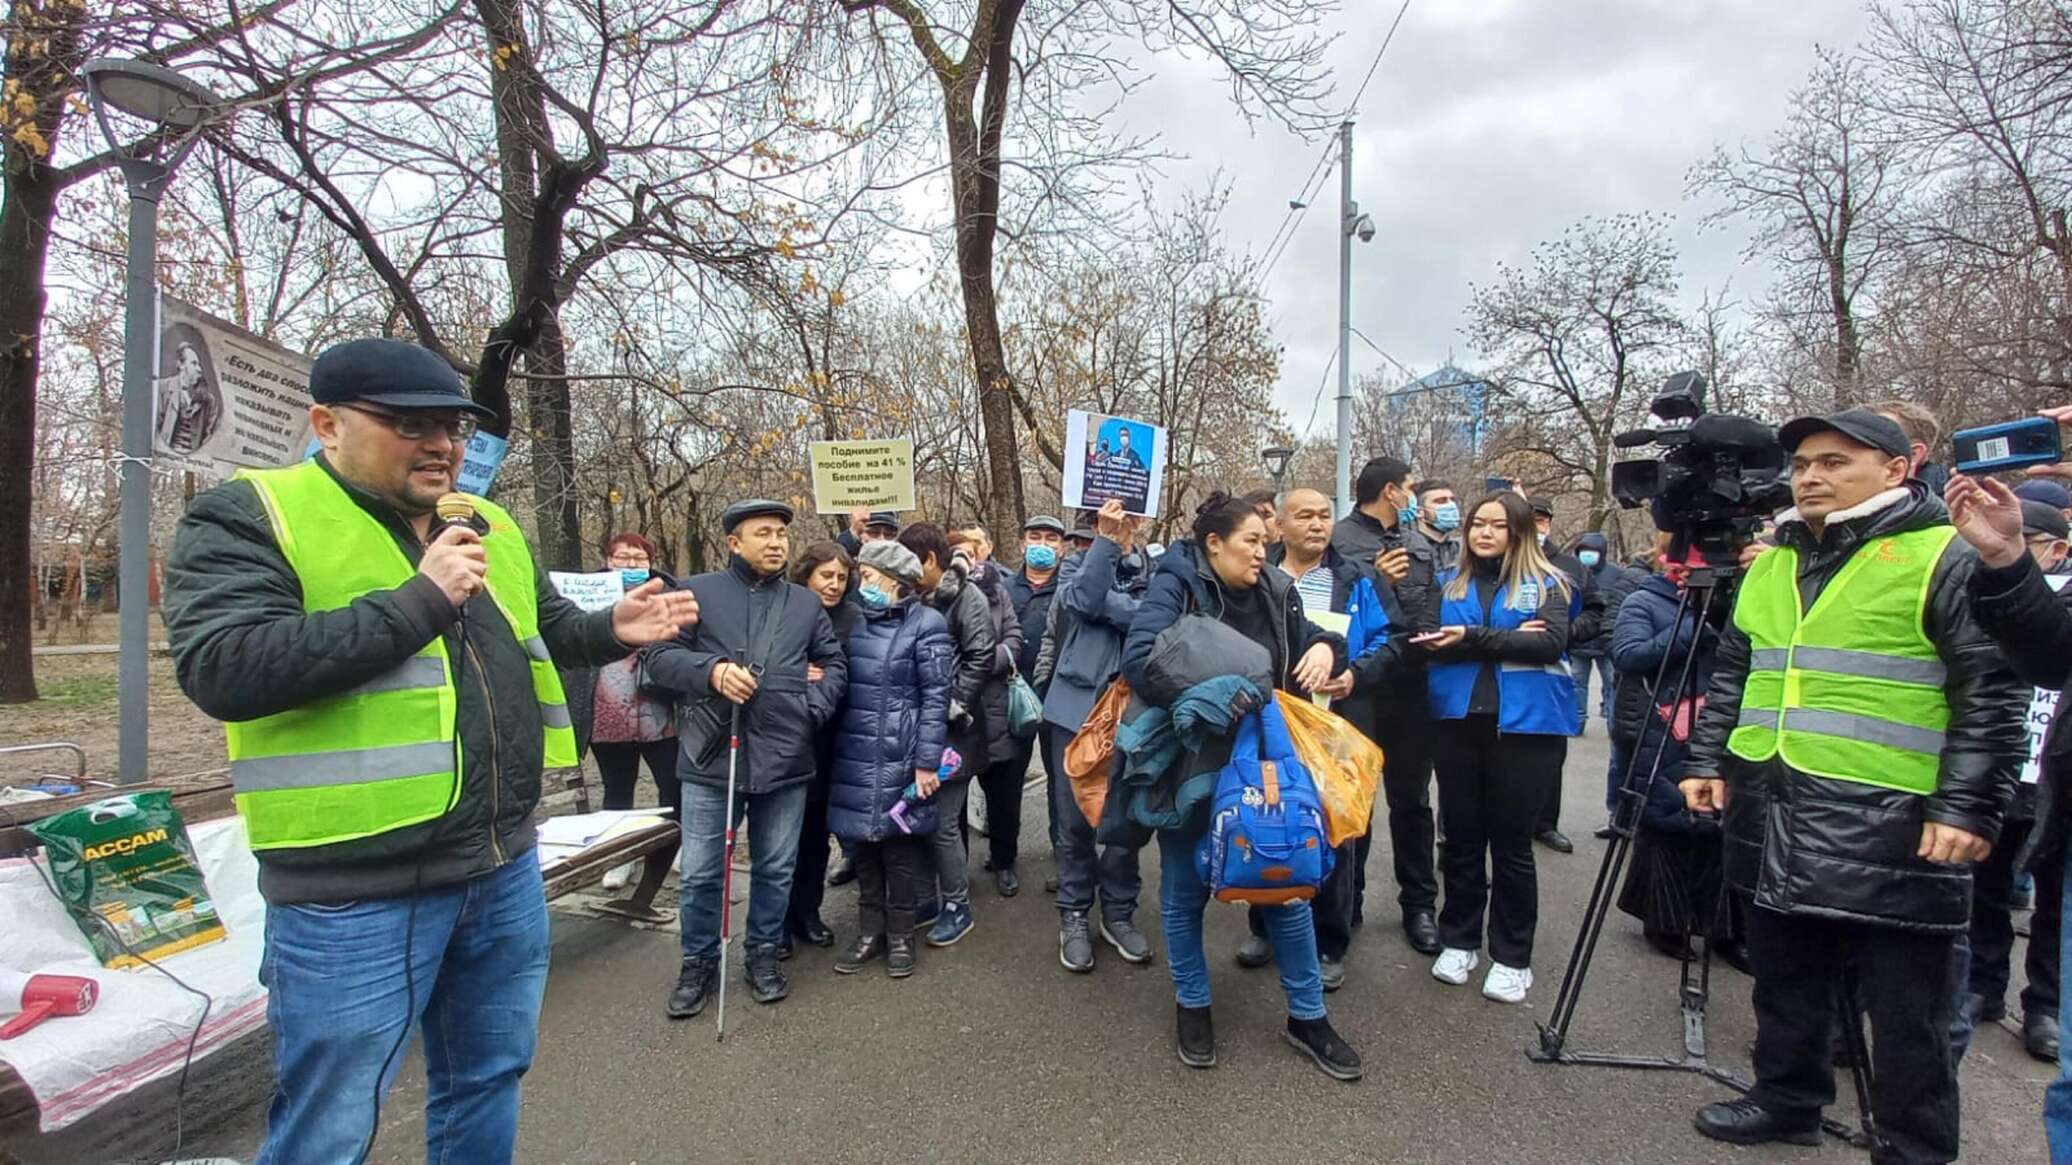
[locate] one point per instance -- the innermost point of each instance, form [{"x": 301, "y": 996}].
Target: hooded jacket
[
  {"x": 2034, "y": 628},
  {"x": 1815, "y": 846},
  {"x": 763, "y": 622},
  {"x": 984, "y": 661},
  {"x": 895, "y": 718},
  {"x": 1605, "y": 586},
  {"x": 1185, "y": 583},
  {"x": 1384, "y": 668}
]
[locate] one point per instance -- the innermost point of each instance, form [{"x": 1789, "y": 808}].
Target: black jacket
[
  {"x": 2034, "y": 628},
  {"x": 1605, "y": 586},
  {"x": 759, "y": 622},
  {"x": 1382, "y": 674},
  {"x": 1032, "y": 609},
  {"x": 1840, "y": 849},
  {"x": 1185, "y": 582},
  {"x": 243, "y": 648},
  {"x": 1359, "y": 536},
  {"x": 1650, "y": 640},
  {"x": 978, "y": 692}
]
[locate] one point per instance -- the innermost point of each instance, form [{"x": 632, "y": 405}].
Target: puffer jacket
[
  {"x": 1648, "y": 633},
  {"x": 2034, "y": 627},
  {"x": 1609, "y": 583},
  {"x": 1097, "y": 596},
  {"x": 894, "y": 720},
  {"x": 1379, "y": 667},
  {"x": 964, "y": 607},
  {"x": 1813, "y": 846}
]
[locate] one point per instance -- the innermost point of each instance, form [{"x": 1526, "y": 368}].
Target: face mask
[
  {"x": 633, "y": 576},
  {"x": 872, "y": 597},
  {"x": 1040, "y": 557},
  {"x": 1408, "y": 510},
  {"x": 1587, "y": 557},
  {"x": 1446, "y": 517}
]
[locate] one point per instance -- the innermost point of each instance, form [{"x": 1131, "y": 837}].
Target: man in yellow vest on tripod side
[
  {"x": 390, "y": 699},
  {"x": 1862, "y": 735}
]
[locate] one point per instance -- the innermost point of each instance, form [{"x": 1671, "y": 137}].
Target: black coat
[
  {"x": 243, "y": 648},
  {"x": 985, "y": 658},
  {"x": 1359, "y": 536},
  {"x": 755, "y": 621},
  {"x": 1810, "y": 845},
  {"x": 2034, "y": 628},
  {"x": 1032, "y": 609},
  {"x": 1648, "y": 635}
]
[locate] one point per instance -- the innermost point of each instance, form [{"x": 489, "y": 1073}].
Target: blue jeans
[
  {"x": 773, "y": 850},
  {"x": 1583, "y": 666},
  {"x": 343, "y": 998},
  {"x": 2057, "y": 1097},
  {"x": 1182, "y": 896}
]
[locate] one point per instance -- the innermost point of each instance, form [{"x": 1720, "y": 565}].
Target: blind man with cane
[{"x": 1862, "y": 736}]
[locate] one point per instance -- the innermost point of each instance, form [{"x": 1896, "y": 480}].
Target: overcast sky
[{"x": 1491, "y": 125}]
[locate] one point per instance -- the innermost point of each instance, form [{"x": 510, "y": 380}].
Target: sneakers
[
  {"x": 694, "y": 985},
  {"x": 617, "y": 877},
  {"x": 1196, "y": 1037},
  {"x": 1333, "y": 971},
  {"x": 1316, "y": 1039},
  {"x": 952, "y": 924},
  {"x": 899, "y": 955},
  {"x": 1075, "y": 944},
  {"x": 925, "y": 913},
  {"x": 863, "y": 950},
  {"x": 1455, "y": 965},
  {"x": 1506, "y": 984},
  {"x": 766, "y": 981},
  {"x": 1744, "y": 1122},
  {"x": 1128, "y": 941},
  {"x": 1255, "y": 952}
]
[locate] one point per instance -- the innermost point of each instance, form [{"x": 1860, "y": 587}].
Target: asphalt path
[{"x": 992, "y": 1052}]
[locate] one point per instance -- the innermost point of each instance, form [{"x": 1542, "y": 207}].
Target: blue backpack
[{"x": 1267, "y": 843}]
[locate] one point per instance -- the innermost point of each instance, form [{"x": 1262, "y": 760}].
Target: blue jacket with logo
[{"x": 1526, "y": 672}]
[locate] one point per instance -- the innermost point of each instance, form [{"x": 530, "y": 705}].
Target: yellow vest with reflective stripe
[
  {"x": 383, "y": 755},
  {"x": 1851, "y": 689}
]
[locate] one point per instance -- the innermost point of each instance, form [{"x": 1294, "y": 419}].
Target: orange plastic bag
[{"x": 1345, "y": 764}]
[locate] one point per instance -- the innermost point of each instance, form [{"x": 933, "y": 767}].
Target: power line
[
  {"x": 1362, "y": 90},
  {"x": 1319, "y": 397}
]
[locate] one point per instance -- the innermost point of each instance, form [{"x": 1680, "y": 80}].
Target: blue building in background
[{"x": 1447, "y": 408}]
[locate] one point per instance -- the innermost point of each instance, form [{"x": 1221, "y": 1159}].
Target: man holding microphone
[{"x": 383, "y": 653}]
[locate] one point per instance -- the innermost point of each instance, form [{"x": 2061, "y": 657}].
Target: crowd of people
[{"x": 1825, "y": 800}]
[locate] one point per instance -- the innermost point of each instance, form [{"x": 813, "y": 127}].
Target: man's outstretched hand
[{"x": 649, "y": 614}]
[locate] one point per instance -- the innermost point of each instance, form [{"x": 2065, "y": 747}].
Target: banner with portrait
[
  {"x": 222, "y": 398},
  {"x": 1113, "y": 457}
]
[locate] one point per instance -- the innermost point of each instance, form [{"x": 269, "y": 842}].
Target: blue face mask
[
  {"x": 1588, "y": 557},
  {"x": 1040, "y": 557},
  {"x": 1408, "y": 509},
  {"x": 872, "y": 597},
  {"x": 633, "y": 576},
  {"x": 1446, "y": 517}
]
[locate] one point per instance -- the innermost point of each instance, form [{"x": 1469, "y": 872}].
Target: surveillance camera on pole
[{"x": 1351, "y": 224}]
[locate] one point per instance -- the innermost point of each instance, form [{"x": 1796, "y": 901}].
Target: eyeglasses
[
  {"x": 417, "y": 426},
  {"x": 627, "y": 560}
]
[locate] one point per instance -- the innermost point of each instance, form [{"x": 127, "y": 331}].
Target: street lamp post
[
  {"x": 172, "y": 110},
  {"x": 1351, "y": 223},
  {"x": 1276, "y": 458}
]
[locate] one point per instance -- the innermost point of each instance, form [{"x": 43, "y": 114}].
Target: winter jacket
[
  {"x": 582, "y": 684},
  {"x": 1811, "y": 845},
  {"x": 1098, "y": 594},
  {"x": 243, "y": 648},
  {"x": 1382, "y": 668},
  {"x": 2033, "y": 627},
  {"x": 895, "y": 718},
  {"x": 758, "y": 622},
  {"x": 964, "y": 607},
  {"x": 1608, "y": 584},
  {"x": 991, "y": 582},
  {"x": 1032, "y": 603},
  {"x": 1360, "y": 536},
  {"x": 1647, "y": 634}
]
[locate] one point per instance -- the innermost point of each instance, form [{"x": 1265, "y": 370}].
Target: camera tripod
[{"x": 1705, "y": 586}]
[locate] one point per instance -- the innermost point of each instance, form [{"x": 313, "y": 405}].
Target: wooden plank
[{"x": 565, "y": 874}]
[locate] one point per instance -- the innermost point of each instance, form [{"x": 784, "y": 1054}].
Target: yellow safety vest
[
  {"x": 1851, "y": 689},
  {"x": 383, "y": 755}
]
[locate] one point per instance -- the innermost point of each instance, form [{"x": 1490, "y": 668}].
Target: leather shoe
[
  {"x": 1422, "y": 932},
  {"x": 1734, "y": 955},
  {"x": 2040, "y": 1035},
  {"x": 843, "y": 873},
  {"x": 1744, "y": 1122},
  {"x": 814, "y": 931},
  {"x": 1555, "y": 840}
]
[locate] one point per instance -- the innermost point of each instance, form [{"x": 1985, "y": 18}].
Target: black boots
[
  {"x": 766, "y": 981},
  {"x": 1744, "y": 1122},
  {"x": 694, "y": 985},
  {"x": 1197, "y": 1037},
  {"x": 1317, "y": 1039},
  {"x": 899, "y": 956},
  {"x": 863, "y": 950}
]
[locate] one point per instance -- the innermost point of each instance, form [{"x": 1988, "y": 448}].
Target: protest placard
[
  {"x": 2043, "y": 706},
  {"x": 592, "y": 591},
  {"x": 872, "y": 475},
  {"x": 1113, "y": 457},
  {"x": 222, "y": 398}
]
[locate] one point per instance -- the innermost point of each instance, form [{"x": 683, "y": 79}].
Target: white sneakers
[
  {"x": 1454, "y": 965},
  {"x": 618, "y": 877},
  {"x": 1503, "y": 984},
  {"x": 1507, "y": 984}
]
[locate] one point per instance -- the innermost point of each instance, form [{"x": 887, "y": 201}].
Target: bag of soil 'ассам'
[{"x": 126, "y": 873}]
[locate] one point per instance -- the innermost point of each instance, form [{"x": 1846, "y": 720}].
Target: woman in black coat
[
  {"x": 824, "y": 569},
  {"x": 1674, "y": 884}
]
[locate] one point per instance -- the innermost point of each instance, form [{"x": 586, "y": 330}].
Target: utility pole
[{"x": 1347, "y": 213}]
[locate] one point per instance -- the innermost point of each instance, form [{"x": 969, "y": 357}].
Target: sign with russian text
[
  {"x": 1113, "y": 457},
  {"x": 871, "y": 475},
  {"x": 223, "y": 399}
]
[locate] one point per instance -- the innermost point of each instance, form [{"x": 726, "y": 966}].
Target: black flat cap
[
  {"x": 389, "y": 373},
  {"x": 1083, "y": 526},
  {"x": 1543, "y": 507},
  {"x": 1860, "y": 425},
  {"x": 2043, "y": 518},
  {"x": 882, "y": 519},
  {"x": 742, "y": 511},
  {"x": 1044, "y": 522}
]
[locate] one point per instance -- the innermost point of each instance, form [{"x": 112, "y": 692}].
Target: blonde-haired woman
[{"x": 1502, "y": 702}]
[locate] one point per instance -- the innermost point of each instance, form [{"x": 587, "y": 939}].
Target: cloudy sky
[{"x": 1491, "y": 125}]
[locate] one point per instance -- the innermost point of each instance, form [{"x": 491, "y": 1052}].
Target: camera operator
[
  {"x": 2034, "y": 628},
  {"x": 1862, "y": 735}
]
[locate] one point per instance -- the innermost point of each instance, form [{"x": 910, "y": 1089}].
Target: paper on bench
[{"x": 564, "y": 837}]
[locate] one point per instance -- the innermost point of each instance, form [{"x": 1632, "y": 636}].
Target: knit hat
[{"x": 890, "y": 558}]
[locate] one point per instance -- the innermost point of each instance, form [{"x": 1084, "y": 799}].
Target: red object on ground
[{"x": 42, "y": 997}]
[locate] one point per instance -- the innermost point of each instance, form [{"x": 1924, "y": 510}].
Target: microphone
[{"x": 454, "y": 509}]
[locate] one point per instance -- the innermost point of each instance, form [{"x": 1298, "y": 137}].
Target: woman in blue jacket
[
  {"x": 1673, "y": 886},
  {"x": 1221, "y": 573},
  {"x": 892, "y": 730},
  {"x": 1503, "y": 705}
]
